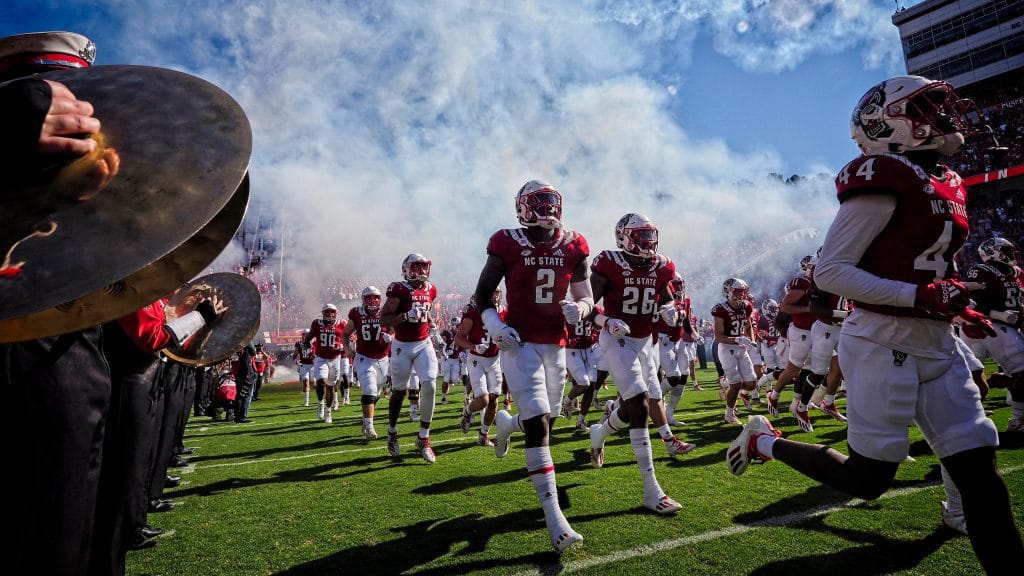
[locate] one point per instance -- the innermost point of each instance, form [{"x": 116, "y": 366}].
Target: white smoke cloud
[{"x": 387, "y": 128}]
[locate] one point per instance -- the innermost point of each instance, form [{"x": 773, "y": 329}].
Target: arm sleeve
[{"x": 859, "y": 220}]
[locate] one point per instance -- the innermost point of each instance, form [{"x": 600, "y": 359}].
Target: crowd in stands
[{"x": 1002, "y": 107}]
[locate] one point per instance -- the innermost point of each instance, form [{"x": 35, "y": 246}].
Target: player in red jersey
[
  {"x": 587, "y": 368},
  {"x": 540, "y": 262},
  {"x": 890, "y": 249},
  {"x": 733, "y": 339},
  {"x": 484, "y": 368},
  {"x": 451, "y": 358},
  {"x": 326, "y": 335},
  {"x": 796, "y": 305},
  {"x": 303, "y": 357},
  {"x": 995, "y": 287},
  {"x": 676, "y": 348},
  {"x": 408, "y": 310},
  {"x": 690, "y": 338},
  {"x": 634, "y": 284},
  {"x": 369, "y": 353}
]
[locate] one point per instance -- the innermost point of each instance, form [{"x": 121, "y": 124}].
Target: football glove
[
  {"x": 507, "y": 338},
  {"x": 944, "y": 298},
  {"x": 974, "y": 322},
  {"x": 571, "y": 311},
  {"x": 617, "y": 327}
]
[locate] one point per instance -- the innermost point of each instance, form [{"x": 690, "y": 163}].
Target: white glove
[
  {"x": 617, "y": 327},
  {"x": 571, "y": 311},
  {"x": 840, "y": 313},
  {"x": 663, "y": 339},
  {"x": 743, "y": 341},
  {"x": 507, "y": 338},
  {"x": 415, "y": 315},
  {"x": 386, "y": 338},
  {"x": 481, "y": 348},
  {"x": 669, "y": 314}
]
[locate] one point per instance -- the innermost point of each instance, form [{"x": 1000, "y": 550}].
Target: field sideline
[{"x": 288, "y": 494}]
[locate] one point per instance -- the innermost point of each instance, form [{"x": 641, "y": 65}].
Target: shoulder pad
[{"x": 879, "y": 174}]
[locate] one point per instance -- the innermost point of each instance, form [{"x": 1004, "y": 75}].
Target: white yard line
[{"x": 784, "y": 520}]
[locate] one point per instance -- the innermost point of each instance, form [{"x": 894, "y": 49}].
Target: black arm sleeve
[{"x": 23, "y": 106}]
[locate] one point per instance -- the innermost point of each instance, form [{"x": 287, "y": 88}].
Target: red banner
[{"x": 994, "y": 175}]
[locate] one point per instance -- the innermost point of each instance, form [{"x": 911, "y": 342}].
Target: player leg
[
  {"x": 425, "y": 363},
  {"x": 401, "y": 373}
]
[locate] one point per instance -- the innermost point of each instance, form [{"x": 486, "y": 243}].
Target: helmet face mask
[
  {"x": 538, "y": 204},
  {"x": 736, "y": 292},
  {"x": 416, "y": 268},
  {"x": 636, "y": 235},
  {"x": 908, "y": 113},
  {"x": 998, "y": 250},
  {"x": 769, "y": 308},
  {"x": 329, "y": 314},
  {"x": 371, "y": 299}
]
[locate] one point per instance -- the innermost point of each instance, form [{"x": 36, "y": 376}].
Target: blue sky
[{"x": 414, "y": 122}]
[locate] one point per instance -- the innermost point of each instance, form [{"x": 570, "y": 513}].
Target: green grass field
[{"x": 288, "y": 494}]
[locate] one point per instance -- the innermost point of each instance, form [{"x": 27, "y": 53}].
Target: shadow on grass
[{"x": 878, "y": 555}]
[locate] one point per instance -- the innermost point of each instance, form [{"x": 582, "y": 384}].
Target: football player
[
  {"x": 994, "y": 287},
  {"x": 634, "y": 283},
  {"x": 768, "y": 339},
  {"x": 733, "y": 338},
  {"x": 901, "y": 220},
  {"x": 369, "y": 354},
  {"x": 820, "y": 385},
  {"x": 586, "y": 366},
  {"x": 328, "y": 349},
  {"x": 541, "y": 262},
  {"x": 303, "y": 357},
  {"x": 796, "y": 304},
  {"x": 408, "y": 309},
  {"x": 690, "y": 338},
  {"x": 673, "y": 329},
  {"x": 484, "y": 368},
  {"x": 451, "y": 365}
]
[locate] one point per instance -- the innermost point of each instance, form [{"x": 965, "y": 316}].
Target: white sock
[
  {"x": 640, "y": 439},
  {"x": 367, "y": 422},
  {"x": 829, "y": 398},
  {"x": 424, "y": 432},
  {"x": 665, "y": 432},
  {"x": 766, "y": 445},
  {"x": 953, "y": 503},
  {"x": 541, "y": 470}
]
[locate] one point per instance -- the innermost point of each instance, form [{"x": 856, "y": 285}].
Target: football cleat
[
  {"x": 566, "y": 539},
  {"x": 743, "y": 450},
  {"x": 697, "y": 387},
  {"x": 426, "y": 450},
  {"x": 581, "y": 426},
  {"x": 954, "y": 519},
  {"x": 676, "y": 446},
  {"x": 328, "y": 419},
  {"x": 484, "y": 440},
  {"x": 745, "y": 397},
  {"x": 730, "y": 416},
  {"x": 466, "y": 422},
  {"x": 566, "y": 407},
  {"x": 802, "y": 417},
  {"x": 596, "y": 446},
  {"x": 502, "y": 439},
  {"x": 369, "y": 433},
  {"x": 393, "y": 448},
  {"x": 1015, "y": 425},
  {"x": 831, "y": 409},
  {"x": 773, "y": 404},
  {"x": 663, "y": 505}
]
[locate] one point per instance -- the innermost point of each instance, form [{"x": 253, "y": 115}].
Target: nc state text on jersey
[
  {"x": 640, "y": 281},
  {"x": 543, "y": 261},
  {"x": 940, "y": 206}
]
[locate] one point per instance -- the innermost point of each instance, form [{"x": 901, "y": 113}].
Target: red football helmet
[
  {"x": 371, "y": 298},
  {"x": 416, "y": 268},
  {"x": 736, "y": 292},
  {"x": 329, "y": 313},
  {"x": 539, "y": 204},
  {"x": 908, "y": 113},
  {"x": 637, "y": 236}
]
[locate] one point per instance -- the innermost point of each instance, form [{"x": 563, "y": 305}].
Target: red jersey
[
  {"x": 537, "y": 278},
  {"x": 583, "y": 334},
  {"x": 369, "y": 333},
  {"x": 259, "y": 361},
  {"x": 632, "y": 293},
  {"x": 327, "y": 338},
  {"x": 687, "y": 310},
  {"x": 408, "y": 297},
  {"x": 674, "y": 333},
  {"x": 451, "y": 349},
  {"x": 478, "y": 333},
  {"x": 927, "y": 228},
  {"x": 736, "y": 321},
  {"x": 303, "y": 353},
  {"x": 803, "y": 321},
  {"x": 766, "y": 331},
  {"x": 145, "y": 327}
]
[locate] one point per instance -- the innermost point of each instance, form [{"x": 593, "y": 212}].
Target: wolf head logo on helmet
[
  {"x": 998, "y": 250},
  {"x": 539, "y": 204}
]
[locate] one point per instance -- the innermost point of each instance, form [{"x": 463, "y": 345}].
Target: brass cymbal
[
  {"x": 139, "y": 289},
  {"x": 227, "y": 334},
  {"x": 184, "y": 147}
]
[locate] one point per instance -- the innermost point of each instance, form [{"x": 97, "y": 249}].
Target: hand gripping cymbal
[
  {"x": 227, "y": 334},
  {"x": 184, "y": 148}
]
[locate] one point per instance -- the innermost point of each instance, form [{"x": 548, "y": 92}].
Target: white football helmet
[
  {"x": 637, "y": 236},
  {"x": 539, "y": 204},
  {"x": 736, "y": 291},
  {"x": 454, "y": 322},
  {"x": 807, "y": 264},
  {"x": 769, "y": 308},
  {"x": 998, "y": 250},
  {"x": 329, "y": 313},
  {"x": 416, "y": 268},
  {"x": 371, "y": 298},
  {"x": 678, "y": 286},
  {"x": 908, "y": 113}
]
